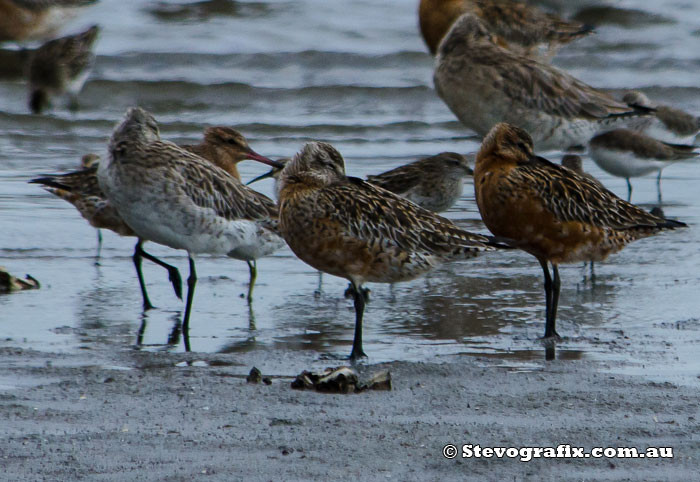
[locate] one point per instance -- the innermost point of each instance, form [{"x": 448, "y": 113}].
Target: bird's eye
[{"x": 232, "y": 142}]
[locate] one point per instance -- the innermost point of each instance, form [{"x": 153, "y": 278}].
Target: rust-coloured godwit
[
  {"x": 222, "y": 146},
  {"x": 519, "y": 26},
  {"x": 61, "y": 66},
  {"x": 551, "y": 212},
  {"x": 350, "y": 228},
  {"x": 173, "y": 197},
  {"x": 625, "y": 153},
  {"x": 484, "y": 84}
]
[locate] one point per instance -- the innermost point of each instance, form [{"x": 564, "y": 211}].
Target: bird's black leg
[
  {"x": 658, "y": 186},
  {"x": 629, "y": 190},
  {"x": 99, "y": 247},
  {"x": 138, "y": 252},
  {"x": 191, "y": 282},
  {"x": 360, "y": 298},
  {"x": 173, "y": 272},
  {"x": 550, "y": 328},
  {"x": 547, "y": 293}
]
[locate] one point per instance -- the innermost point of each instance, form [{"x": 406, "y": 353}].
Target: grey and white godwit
[
  {"x": 173, "y": 197},
  {"x": 552, "y": 212},
  {"x": 223, "y": 146},
  {"x": 60, "y": 66},
  {"x": 519, "y": 26},
  {"x": 26, "y": 20},
  {"x": 625, "y": 153},
  {"x": 669, "y": 124},
  {"x": 484, "y": 84},
  {"x": 350, "y": 228}
]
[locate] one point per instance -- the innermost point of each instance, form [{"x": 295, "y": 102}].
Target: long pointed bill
[
  {"x": 254, "y": 156},
  {"x": 269, "y": 173}
]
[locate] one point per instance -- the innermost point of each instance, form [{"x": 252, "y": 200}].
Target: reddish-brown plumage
[{"x": 550, "y": 211}]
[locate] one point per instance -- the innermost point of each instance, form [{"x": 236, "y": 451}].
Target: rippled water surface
[{"x": 356, "y": 74}]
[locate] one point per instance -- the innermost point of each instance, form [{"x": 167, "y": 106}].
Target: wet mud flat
[{"x": 137, "y": 415}]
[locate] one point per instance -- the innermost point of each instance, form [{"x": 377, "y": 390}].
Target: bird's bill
[
  {"x": 254, "y": 156},
  {"x": 269, "y": 173}
]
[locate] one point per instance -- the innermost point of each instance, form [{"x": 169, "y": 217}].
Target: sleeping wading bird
[
  {"x": 223, "y": 146},
  {"x": 552, "y": 212},
  {"x": 350, "y": 228},
  {"x": 483, "y": 84},
  {"x": 521, "y": 27},
  {"x": 173, "y": 197},
  {"x": 434, "y": 183}
]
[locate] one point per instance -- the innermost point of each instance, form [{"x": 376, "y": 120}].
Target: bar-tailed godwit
[
  {"x": 173, "y": 197},
  {"x": 551, "y": 212},
  {"x": 520, "y": 26},
  {"x": 434, "y": 183},
  {"x": 350, "y": 228},
  {"x": 668, "y": 124},
  {"x": 60, "y": 66},
  {"x": 625, "y": 153},
  {"x": 222, "y": 146},
  {"x": 484, "y": 84}
]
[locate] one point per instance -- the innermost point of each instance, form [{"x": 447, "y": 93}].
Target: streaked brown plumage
[
  {"x": 223, "y": 146},
  {"x": 434, "y": 183},
  {"x": 25, "y": 20},
  {"x": 521, "y": 27},
  {"x": 59, "y": 66},
  {"x": 350, "y": 228},
  {"x": 484, "y": 84},
  {"x": 176, "y": 198},
  {"x": 551, "y": 212}
]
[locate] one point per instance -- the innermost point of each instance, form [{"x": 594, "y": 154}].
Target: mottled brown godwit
[{"x": 350, "y": 228}]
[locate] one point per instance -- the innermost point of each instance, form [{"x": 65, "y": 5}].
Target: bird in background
[
  {"x": 178, "y": 199},
  {"x": 516, "y": 25},
  {"x": 484, "y": 84},
  {"x": 669, "y": 124},
  {"x": 434, "y": 183},
  {"x": 28, "y": 20},
  {"x": 350, "y": 228},
  {"x": 60, "y": 66},
  {"x": 551, "y": 212},
  {"x": 222, "y": 146},
  {"x": 625, "y": 153},
  {"x": 575, "y": 163}
]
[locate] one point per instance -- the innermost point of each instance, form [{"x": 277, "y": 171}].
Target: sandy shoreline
[{"x": 133, "y": 415}]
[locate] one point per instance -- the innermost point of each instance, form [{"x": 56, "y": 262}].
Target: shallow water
[{"x": 355, "y": 74}]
